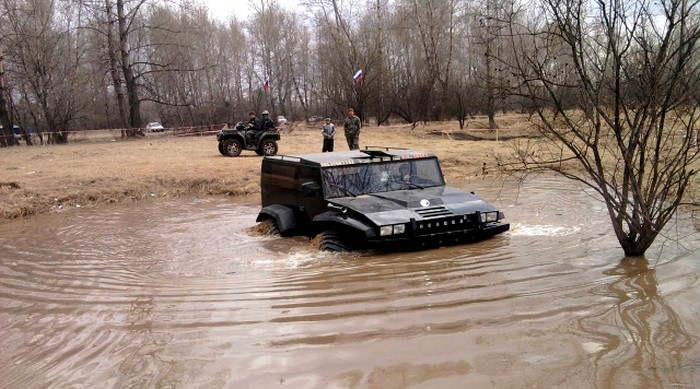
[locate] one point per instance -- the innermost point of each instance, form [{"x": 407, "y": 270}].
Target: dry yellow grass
[{"x": 100, "y": 167}]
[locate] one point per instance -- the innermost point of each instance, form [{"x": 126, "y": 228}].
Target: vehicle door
[{"x": 311, "y": 201}]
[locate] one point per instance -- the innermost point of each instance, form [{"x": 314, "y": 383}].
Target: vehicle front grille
[
  {"x": 433, "y": 212},
  {"x": 444, "y": 225}
]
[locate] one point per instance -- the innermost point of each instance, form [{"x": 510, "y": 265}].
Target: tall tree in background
[
  {"x": 178, "y": 80},
  {"x": 45, "y": 61},
  {"x": 276, "y": 37},
  {"x": 117, "y": 20},
  {"x": 301, "y": 68},
  {"x": 491, "y": 20},
  {"x": 346, "y": 44},
  {"x": 127, "y": 26},
  {"x": 634, "y": 68},
  {"x": 6, "y": 136},
  {"x": 434, "y": 25}
]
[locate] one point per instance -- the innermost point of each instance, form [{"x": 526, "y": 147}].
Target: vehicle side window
[
  {"x": 350, "y": 180},
  {"x": 429, "y": 171}
]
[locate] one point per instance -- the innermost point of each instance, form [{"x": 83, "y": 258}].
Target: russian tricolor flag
[
  {"x": 266, "y": 85},
  {"x": 358, "y": 76}
]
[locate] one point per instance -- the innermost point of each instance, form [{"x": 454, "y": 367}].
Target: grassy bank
[{"x": 101, "y": 168}]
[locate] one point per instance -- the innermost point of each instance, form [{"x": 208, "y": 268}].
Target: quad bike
[{"x": 232, "y": 141}]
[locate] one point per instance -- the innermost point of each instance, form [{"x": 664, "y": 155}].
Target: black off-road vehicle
[
  {"x": 233, "y": 141},
  {"x": 377, "y": 198}
]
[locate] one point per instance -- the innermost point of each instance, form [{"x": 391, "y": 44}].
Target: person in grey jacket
[
  {"x": 352, "y": 130},
  {"x": 328, "y": 132}
]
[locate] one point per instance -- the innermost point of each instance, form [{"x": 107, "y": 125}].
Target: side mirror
[{"x": 309, "y": 189}]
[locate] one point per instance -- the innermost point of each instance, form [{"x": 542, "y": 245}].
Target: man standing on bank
[
  {"x": 352, "y": 130},
  {"x": 328, "y": 132}
]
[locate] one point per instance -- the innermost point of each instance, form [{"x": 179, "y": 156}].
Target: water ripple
[{"x": 182, "y": 294}]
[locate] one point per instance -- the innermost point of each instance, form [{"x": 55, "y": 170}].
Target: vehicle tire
[
  {"x": 232, "y": 147},
  {"x": 267, "y": 147},
  {"x": 268, "y": 227},
  {"x": 221, "y": 148},
  {"x": 331, "y": 241}
]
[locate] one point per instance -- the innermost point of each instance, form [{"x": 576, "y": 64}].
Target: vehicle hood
[{"x": 403, "y": 205}]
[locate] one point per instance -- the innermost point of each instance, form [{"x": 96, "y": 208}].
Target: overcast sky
[{"x": 221, "y": 9}]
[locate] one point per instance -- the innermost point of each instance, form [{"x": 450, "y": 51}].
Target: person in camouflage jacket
[{"x": 352, "y": 130}]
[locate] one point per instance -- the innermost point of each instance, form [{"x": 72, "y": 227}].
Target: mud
[{"x": 181, "y": 293}]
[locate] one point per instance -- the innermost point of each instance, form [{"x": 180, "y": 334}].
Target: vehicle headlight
[
  {"x": 486, "y": 217},
  {"x": 386, "y": 230},
  {"x": 392, "y": 230}
]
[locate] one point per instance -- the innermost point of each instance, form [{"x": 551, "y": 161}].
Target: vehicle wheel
[
  {"x": 331, "y": 241},
  {"x": 221, "y": 148},
  {"x": 268, "y": 227},
  {"x": 267, "y": 147},
  {"x": 232, "y": 147}
]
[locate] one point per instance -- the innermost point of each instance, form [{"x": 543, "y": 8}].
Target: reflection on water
[
  {"x": 640, "y": 332},
  {"x": 179, "y": 294}
]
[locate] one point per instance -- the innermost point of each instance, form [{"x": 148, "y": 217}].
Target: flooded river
[{"x": 179, "y": 294}]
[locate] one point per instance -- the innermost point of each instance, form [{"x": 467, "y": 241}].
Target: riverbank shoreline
[{"x": 100, "y": 168}]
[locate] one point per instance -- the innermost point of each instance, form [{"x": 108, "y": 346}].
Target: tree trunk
[
  {"x": 127, "y": 71},
  {"x": 7, "y": 137},
  {"x": 623, "y": 130},
  {"x": 114, "y": 66}
]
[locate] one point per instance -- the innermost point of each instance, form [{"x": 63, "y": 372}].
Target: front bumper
[{"x": 436, "y": 238}]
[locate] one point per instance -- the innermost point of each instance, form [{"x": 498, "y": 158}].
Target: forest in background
[{"x": 88, "y": 64}]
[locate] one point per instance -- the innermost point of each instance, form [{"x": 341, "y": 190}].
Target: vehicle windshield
[{"x": 366, "y": 178}]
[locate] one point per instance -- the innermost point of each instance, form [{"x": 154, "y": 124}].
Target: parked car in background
[
  {"x": 16, "y": 131},
  {"x": 155, "y": 127}
]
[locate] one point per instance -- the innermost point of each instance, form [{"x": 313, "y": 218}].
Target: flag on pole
[
  {"x": 358, "y": 76},
  {"x": 266, "y": 85}
]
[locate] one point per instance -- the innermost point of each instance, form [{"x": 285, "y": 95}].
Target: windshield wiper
[{"x": 414, "y": 185}]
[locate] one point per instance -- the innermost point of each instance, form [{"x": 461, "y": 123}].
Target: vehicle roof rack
[
  {"x": 387, "y": 148},
  {"x": 380, "y": 151}
]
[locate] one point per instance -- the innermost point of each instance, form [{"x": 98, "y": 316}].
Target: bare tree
[
  {"x": 343, "y": 31},
  {"x": 6, "y": 136},
  {"x": 119, "y": 24},
  {"x": 633, "y": 67},
  {"x": 301, "y": 70},
  {"x": 45, "y": 60},
  {"x": 181, "y": 72},
  {"x": 271, "y": 35},
  {"x": 433, "y": 27},
  {"x": 491, "y": 54}
]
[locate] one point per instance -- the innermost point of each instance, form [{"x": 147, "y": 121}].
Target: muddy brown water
[{"x": 179, "y": 294}]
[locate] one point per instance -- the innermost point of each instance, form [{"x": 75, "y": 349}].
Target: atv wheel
[
  {"x": 331, "y": 241},
  {"x": 232, "y": 147},
  {"x": 269, "y": 227},
  {"x": 267, "y": 147},
  {"x": 221, "y": 148}
]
